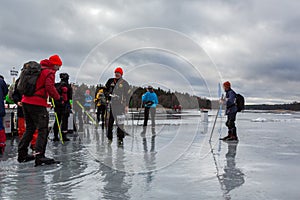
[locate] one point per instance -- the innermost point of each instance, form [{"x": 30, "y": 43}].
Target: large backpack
[
  {"x": 29, "y": 75},
  {"x": 240, "y": 102}
]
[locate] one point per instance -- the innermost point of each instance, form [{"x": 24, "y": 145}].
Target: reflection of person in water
[
  {"x": 149, "y": 157},
  {"x": 233, "y": 177},
  {"x": 117, "y": 185}
]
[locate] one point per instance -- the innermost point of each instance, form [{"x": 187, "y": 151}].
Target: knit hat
[
  {"x": 119, "y": 70},
  {"x": 227, "y": 84},
  {"x": 55, "y": 60},
  {"x": 64, "y": 76}
]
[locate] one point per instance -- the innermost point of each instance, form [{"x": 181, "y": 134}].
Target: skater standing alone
[{"x": 231, "y": 111}]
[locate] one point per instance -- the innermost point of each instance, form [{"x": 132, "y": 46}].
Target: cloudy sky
[{"x": 188, "y": 46}]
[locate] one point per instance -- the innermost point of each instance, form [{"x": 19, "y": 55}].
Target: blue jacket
[
  {"x": 3, "y": 93},
  {"x": 88, "y": 99},
  {"x": 150, "y": 97},
  {"x": 230, "y": 102}
]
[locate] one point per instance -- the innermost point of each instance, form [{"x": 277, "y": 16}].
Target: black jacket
[{"x": 117, "y": 91}]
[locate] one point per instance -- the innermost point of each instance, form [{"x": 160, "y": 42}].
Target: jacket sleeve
[
  {"x": 50, "y": 88},
  {"x": 70, "y": 92},
  {"x": 231, "y": 99},
  {"x": 156, "y": 99},
  {"x": 4, "y": 88}
]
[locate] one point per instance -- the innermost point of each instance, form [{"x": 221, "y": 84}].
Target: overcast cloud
[{"x": 255, "y": 44}]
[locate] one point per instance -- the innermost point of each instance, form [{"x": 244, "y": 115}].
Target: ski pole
[
  {"x": 139, "y": 113},
  {"x": 89, "y": 116},
  {"x": 58, "y": 125},
  {"x": 212, "y": 130}
]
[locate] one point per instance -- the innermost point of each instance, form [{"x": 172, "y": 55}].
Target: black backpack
[
  {"x": 240, "y": 102},
  {"x": 27, "y": 80}
]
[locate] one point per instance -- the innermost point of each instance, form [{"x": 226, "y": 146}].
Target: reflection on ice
[{"x": 172, "y": 161}]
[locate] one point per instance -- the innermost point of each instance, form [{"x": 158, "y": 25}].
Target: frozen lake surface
[{"x": 174, "y": 161}]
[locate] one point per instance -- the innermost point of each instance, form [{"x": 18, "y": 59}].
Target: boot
[
  {"x": 42, "y": 160},
  {"x": 24, "y": 157},
  {"x": 233, "y": 136},
  {"x": 228, "y": 136},
  {"x": 27, "y": 158},
  {"x": 65, "y": 139},
  {"x": 120, "y": 142},
  {"x": 2, "y": 149},
  {"x": 55, "y": 139}
]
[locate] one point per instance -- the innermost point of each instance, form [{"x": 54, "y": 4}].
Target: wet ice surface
[{"x": 174, "y": 161}]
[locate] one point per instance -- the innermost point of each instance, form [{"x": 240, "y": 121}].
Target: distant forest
[
  {"x": 170, "y": 99},
  {"x": 295, "y": 106},
  {"x": 167, "y": 99}
]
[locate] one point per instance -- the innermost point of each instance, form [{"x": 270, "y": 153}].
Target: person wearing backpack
[
  {"x": 100, "y": 101},
  {"x": 231, "y": 111},
  {"x": 3, "y": 93},
  {"x": 63, "y": 110},
  {"x": 150, "y": 101},
  {"x": 35, "y": 111},
  {"x": 17, "y": 98},
  {"x": 118, "y": 95}
]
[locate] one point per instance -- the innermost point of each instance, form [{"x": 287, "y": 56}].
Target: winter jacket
[
  {"x": 17, "y": 97},
  {"x": 87, "y": 100},
  {"x": 44, "y": 86},
  {"x": 117, "y": 91},
  {"x": 230, "y": 102},
  {"x": 100, "y": 98},
  {"x": 3, "y": 93},
  {"x": 150, "y": 99}
]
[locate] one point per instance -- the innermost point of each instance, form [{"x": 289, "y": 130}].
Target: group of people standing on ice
[{"x": 111, "y": 101}]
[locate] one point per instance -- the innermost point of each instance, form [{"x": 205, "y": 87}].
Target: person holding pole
[
  {"x": 36, "y": 114},
  {"x": 231, "y": 111},
  {"x": 62, "y": 110}
]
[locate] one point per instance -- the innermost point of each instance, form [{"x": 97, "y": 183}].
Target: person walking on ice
[{"x": 231, "y": 111}]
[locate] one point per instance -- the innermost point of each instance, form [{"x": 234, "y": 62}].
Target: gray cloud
[{"x": 255, "y": 44}]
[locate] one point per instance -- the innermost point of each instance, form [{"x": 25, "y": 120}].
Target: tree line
[
  {"x": 295, "y": 106},
  {"x": 167, "y": 99}
]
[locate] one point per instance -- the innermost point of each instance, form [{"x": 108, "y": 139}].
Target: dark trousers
[
  {"x": 85, "y": 116},
  {"x": 62, "y": 116},
  {"x": 230, "y": 123},
  {"x": 116, "y": 111},
  {"x": 78, "y": 114},
  {"x": 101, "y": 111},
  {"x": 36, "y": 117},
  {"x": 146, "y": 115}
]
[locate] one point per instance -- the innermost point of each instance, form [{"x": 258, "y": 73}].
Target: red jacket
[{"x": 44, "y": 86}]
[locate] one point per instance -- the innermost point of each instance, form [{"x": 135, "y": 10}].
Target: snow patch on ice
[{"x": 260, "y": 119}]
